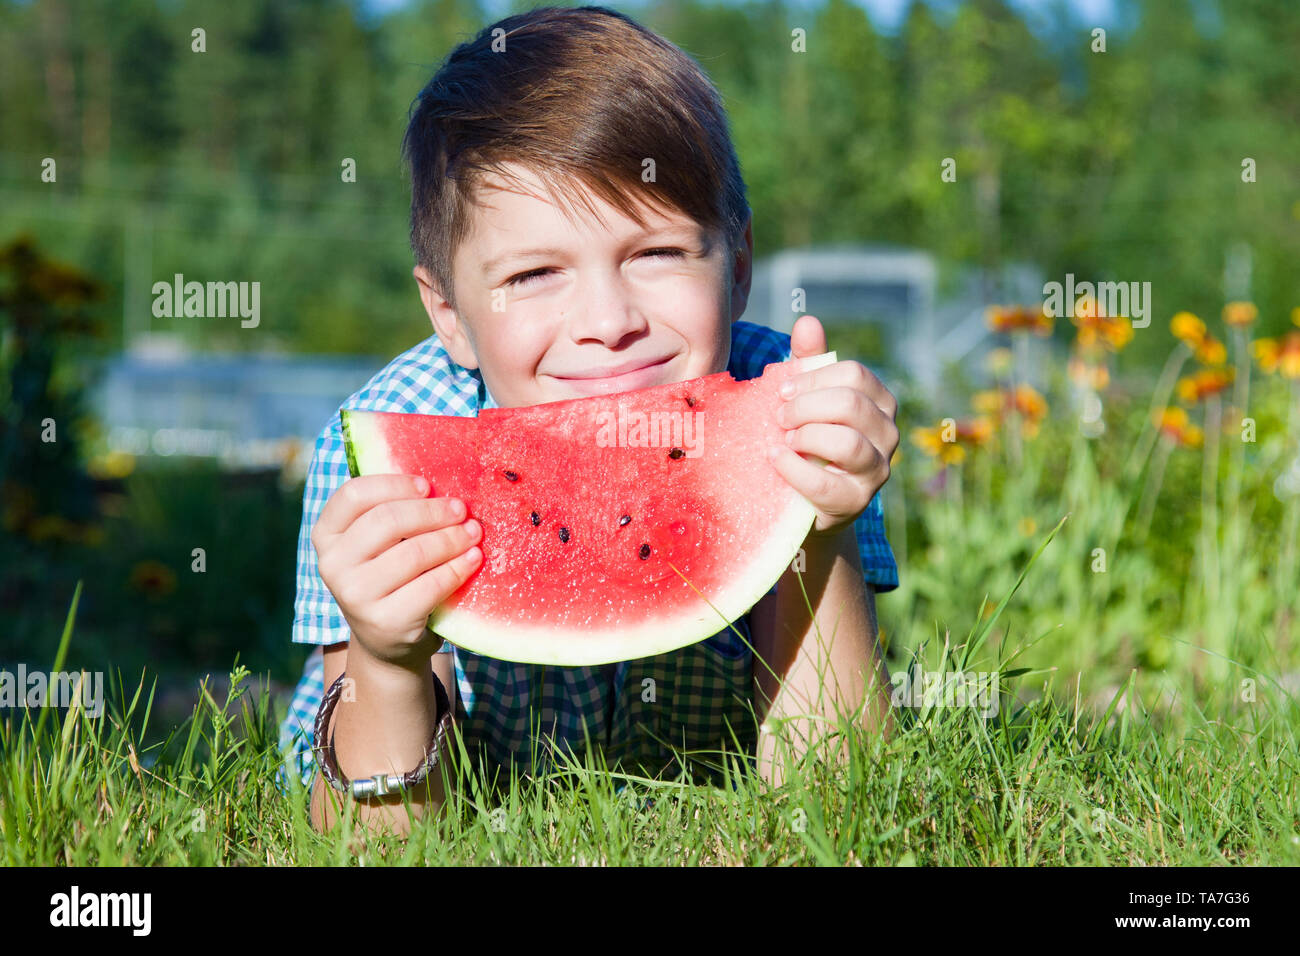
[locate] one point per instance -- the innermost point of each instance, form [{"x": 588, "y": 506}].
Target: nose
[{"x": 607, "y": 314}]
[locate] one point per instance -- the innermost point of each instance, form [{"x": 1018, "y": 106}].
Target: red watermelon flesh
[{"x": 614, "y": 526}]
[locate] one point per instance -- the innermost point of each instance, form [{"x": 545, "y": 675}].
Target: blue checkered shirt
[{"x": 696, "y": 700}]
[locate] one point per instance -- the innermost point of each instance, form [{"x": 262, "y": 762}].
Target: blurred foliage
[
  {"x": 48, "y": 307},
  {"x": 225, "y": 164},
  {"x": 149, "y": 598}
]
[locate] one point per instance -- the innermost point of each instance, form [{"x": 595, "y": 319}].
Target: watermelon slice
[{"x": 615, "y": 526}]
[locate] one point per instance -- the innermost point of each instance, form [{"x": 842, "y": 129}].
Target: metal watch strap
[{"x": 384, "y": 783}]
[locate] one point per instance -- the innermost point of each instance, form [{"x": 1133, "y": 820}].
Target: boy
[{"x": 580, "y": 227}]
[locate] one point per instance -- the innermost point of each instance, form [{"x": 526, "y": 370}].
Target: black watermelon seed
[
  {"x": 690, "y": 401},
  {"x": 624, "y": 520},
  {"x": 511, "y": 476},
  {"x": 676, "y": 453},
  {"x": 537, "y": 519},
  {"x": 644, "y": 552},
  {"x": 564, "y": 535}
]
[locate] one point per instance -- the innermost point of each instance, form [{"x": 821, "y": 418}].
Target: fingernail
[
  {"x": 422, "y": 485},
  {"x": 787, "y": 389}
]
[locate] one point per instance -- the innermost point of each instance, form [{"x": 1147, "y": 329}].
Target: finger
[
  {"x": 829, "y": 489},
  {"x": 807, "y": 337},
  {"x": 356, "y": 496},
  {"x": 838, "y": 404},
  {"x": 841, "y": 445},
  {"x": 387, "y": 523},
  {"x": 407, "y": 560},
  {"x": 846, "y": 374},
  {"x": 420, "y": 597}
]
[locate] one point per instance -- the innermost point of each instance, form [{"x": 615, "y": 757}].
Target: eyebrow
[{"x": 692, "y": 232}]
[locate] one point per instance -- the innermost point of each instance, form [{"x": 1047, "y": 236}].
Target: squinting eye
[{"x": 526, "y": 277}]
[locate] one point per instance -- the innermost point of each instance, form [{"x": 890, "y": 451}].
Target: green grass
[{"x": 1157, "y": 778}]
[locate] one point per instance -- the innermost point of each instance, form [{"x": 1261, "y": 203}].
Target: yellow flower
[
  {"x": 153, "y": 578},
  {"x": 1173, "y": 423},
  {"x": 1206, "y": 382},
  {"x": 999, "y": 360},
  {"x": 930, "y": 441},
  {"x": 113, "y": 464},
  {"x": 1187, "y": 328},
  {"x": 1295, "y": 315},
  {"x": 1028, "y": 526},
  {"x": 51, "y": 527},
  {"x": 1240, "y": 313},
  {"x": 972, "y": 433},
  {"x": 1279, "y": 356}
]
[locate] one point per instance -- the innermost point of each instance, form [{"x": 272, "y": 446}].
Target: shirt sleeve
[
  {"x": 755, "y": 346},
  {"x": 317, "y": 618}
]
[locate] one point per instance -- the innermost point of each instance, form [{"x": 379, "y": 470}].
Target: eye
[
  {"x": 525, "y": 277},
  {"x": 665, "y": 253}
]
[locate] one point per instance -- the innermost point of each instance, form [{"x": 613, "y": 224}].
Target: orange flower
[
  {"x": 1093, "y": 375},
  {"x": 1114, "y": 332},
  {"x": 1211, "y": 351},
  {"x": 1023, "y": 399},
  {"x": 1279, "y": 356},
  {"x": 1206, "y": 382},
  {"x": 1019, "y": 318},
  {"x": 1173, "y": 424},
  {"x": 153, "y": 578},
  {"x": 1240, "y": 313}
]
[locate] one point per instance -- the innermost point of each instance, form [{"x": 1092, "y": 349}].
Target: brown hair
[{"x": 580, "y": 94}]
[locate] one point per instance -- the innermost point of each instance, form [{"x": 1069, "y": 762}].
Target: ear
[
  {"x": 742, "y": 270},
  {"x": 451, "y": 330}
]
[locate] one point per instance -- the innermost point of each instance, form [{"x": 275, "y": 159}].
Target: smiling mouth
[
  {"x": 606, "y": 376},
  {"x": 644, "y": 376}
]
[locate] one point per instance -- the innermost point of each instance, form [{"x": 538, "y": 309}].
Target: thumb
[{"x": 807, "y": 337}]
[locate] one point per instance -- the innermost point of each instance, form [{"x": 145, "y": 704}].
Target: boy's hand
[
  {"x": 844, "y": 415},
  {"x": 390, "y": 555}
]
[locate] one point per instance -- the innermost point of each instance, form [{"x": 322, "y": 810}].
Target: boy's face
[{"x": 601, "y": 299}]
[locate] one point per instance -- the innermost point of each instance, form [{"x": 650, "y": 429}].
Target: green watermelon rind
[{"x": 367, "y": 454}]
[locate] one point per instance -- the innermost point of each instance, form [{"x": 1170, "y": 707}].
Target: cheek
[{"x": 519, "y": 339}]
